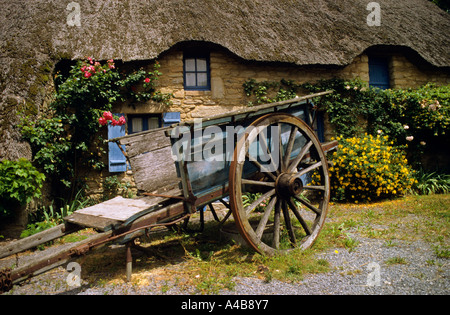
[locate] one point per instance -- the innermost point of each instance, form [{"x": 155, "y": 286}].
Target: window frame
[
  {"x": 145, "y": 118},
  {"x": 195, "y": 56}
]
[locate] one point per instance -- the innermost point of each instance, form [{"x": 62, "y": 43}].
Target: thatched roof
[{"x": 327, "y": 32}]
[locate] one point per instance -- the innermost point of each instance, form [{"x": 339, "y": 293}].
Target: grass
[
  {"x": 209, "y": 263},
  {"x": 410, "y": 218}
]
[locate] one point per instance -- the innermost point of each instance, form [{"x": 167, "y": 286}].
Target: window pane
[
  {"x": 137, "y": 124},
  {"x": 190, "y": 64},
  {"x": 201, "y": 64},
  {"x": 153, "y": 123},
  {"x": 190, "y": 79},
  {"x": 202, "y": 79}
]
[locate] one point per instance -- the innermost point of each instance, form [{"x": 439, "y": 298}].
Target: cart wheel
[{"x": 279, "y": 184}]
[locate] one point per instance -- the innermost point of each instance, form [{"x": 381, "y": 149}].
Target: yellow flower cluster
[{"x": 366, "y": 168}]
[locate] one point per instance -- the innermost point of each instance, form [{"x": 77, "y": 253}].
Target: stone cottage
[{"x": 208, "y": 48}]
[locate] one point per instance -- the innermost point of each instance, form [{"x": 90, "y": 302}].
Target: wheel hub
[{"x": 288, "y": 185}]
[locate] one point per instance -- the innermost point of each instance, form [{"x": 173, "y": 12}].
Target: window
[
  {"x": 138, "y": 123},
  {"x": 379, "y": 72},
  {"x": 196, "y": 72}
]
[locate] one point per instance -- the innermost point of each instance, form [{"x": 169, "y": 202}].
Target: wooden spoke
[
  {"x": 262, "y": 224},
  {"x": 308, "y": 205},
  {"x": 280, "y": 149},
  {"x": 310, "y": 168},
  {"x": 257, "y": 183},
  {"x": 276, "y": 226},
  {"x": 299, "y": 217},
  {"x": 261, "y": 167},
  {"x": 312, "y": 187},
  {"x": 263, "y": 140},
  {"x": 290, "y": 145},
  {"x": 287, "y": 220},
  {"x": 249, "y": 209},
  {"x": 299, "y": 157}
]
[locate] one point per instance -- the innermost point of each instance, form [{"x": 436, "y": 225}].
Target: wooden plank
[
  {"x": 92, "y": 221},
  {"x": 115, "y": 212},
  {"x": 53, "y": 260},
  {"x": 155, "y": 171},
  {"x": 142, "y": 143},
  {"x": 37, "y": 239},
  {"x": 119, "y": 208}
]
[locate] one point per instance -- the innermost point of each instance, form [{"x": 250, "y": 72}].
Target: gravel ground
[{"x": 373, "y": 267}]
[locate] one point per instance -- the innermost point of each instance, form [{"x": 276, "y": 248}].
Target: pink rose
[
  {"x": 102, "y": 121},
  {"x": 147, "y": 80},
  {"x": 87, "y": 74},
  {"x": 122, "y": 121},
  {"x": 114, "y": 122},
  {"x": 107, "y": 115}
]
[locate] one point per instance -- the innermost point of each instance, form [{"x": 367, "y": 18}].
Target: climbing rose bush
[
  {"x": 368, "y": 168},
  {"x": 65, "y": 138},
  {"x": 108, "y": 117}
]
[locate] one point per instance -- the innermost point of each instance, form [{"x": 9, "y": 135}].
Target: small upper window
[{"x": 196, "y": 72}]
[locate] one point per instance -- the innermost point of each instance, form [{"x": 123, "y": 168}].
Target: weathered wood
[
  {"x": 92, "y": 221},
  {"x": 147, "y": 142},
  {"x": 54, "y": 259},
  {"x": 150, "y": 157},
  {"x": 115, "y": 212},
  {"x": 37, "y": 239},
  {"x": 155, "y": 171}
]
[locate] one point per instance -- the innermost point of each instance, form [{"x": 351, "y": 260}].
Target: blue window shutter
[
  {"x": 379, "y": 72},
  {"x": 171, "y": 118},
  {"x": 116, "y": 160}
]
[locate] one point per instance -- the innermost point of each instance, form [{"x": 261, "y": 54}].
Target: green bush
[
  {"x": 20, "y": 182},
  {"x": 368, "y": 168}
]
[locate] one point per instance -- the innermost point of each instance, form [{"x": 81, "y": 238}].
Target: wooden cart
[{"x": 266, "y": 160}]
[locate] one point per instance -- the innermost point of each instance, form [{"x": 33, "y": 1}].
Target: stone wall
[
  {"x": 405, "y": 74},
  {"x": 228, "y": 73}
]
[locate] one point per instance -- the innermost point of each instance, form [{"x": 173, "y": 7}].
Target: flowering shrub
[
  {"x": 108, "y": 117},
  {"x": 367, "y": 168},
  {"x": 65, "y": 138}
]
